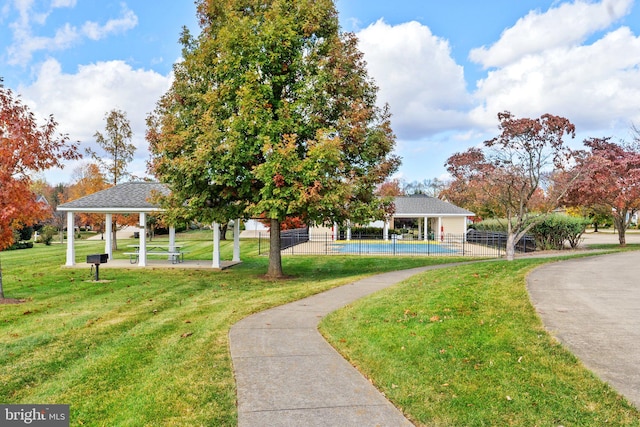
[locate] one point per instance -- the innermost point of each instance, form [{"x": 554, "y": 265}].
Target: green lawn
[
  {"x": 150, "y": 346},
  {"x": 146, "y": 347},
  {"x": 464, "y": 347}
]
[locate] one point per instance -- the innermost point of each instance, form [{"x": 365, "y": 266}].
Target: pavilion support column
[
  {"x": 71, "y": 250},
  {"x": 108, "y": 243},
  {"x": 420, "y": 228},
  {"x": 142, "y": 256},
  {"x": 440, "y": 228},
  {"x": 426, "y": 228},
  {"x": 172, "y": 240},
  {"x": 335, "y": 231},
  {"x": 348, "y": 230},
  {"x": 236, "y": 240},
  {"x": 385, "y": 230},
  {"x": 216, "y": 246}
]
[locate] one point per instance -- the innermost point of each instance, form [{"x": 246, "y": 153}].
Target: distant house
[
  {"x": 429, "y": 216},
  {"x": 433, "y": 216}
]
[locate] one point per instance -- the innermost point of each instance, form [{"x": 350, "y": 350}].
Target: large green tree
[{"x": 271, "y": 113}]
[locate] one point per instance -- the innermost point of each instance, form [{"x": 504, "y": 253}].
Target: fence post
[
  {"x": 464, "y": 240},
  {"x": 326, "y": 243}
]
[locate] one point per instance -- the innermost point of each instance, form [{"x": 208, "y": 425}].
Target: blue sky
[{"x": 445, "y": 68}]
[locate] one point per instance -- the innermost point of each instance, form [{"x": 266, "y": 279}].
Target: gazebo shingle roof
[
  {"x": 125, "y": 197},
  {"x": 419, "y": 204}
]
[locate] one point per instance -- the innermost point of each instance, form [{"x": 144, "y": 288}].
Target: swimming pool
[{"x": 392, "y": 247}]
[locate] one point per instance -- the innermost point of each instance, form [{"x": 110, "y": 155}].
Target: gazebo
[{"x": 132, "y": 197}]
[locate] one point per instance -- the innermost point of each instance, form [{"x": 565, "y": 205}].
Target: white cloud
[
  {"x": 63, "y": 3},
  {"x": 79, "y": 101},
  {"x": 564, "y": 26},
  {"x": 417, "y": 77},
  {"x": 26, "y": 43},
  {"x": 595, "y": 86},
  {"x": 95, "y": 31}
]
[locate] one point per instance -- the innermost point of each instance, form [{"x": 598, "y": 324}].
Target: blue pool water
[{"x": 355, "y": 247}]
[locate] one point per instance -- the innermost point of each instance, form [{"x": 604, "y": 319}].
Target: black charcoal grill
[{"x": 96, "y": 260}]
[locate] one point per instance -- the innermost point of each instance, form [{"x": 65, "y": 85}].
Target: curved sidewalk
[
  {"x": 592, "y": 305},
  {"x": 288, "y": 375}
]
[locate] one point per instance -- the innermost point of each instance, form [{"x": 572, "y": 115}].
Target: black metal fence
[
  {"x": 499, "y": 240},
  {"x": 302, "y": 242},
  {"x": 290, "y": 238},
  {"x": 472, "y": 244}
]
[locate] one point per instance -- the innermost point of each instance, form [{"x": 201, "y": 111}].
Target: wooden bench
[{"x": 176, "y": 257}]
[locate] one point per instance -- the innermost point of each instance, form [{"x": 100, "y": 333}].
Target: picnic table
[{"x": 173, "y": 253}]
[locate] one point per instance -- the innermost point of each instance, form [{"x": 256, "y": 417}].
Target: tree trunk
[
  {"x": 620, "y": 223},
  {"x": 223, "y": 231},
  {"x": 511, "y": 246},
  {"x": 114, "y": 231},
  {"x": 275, "y": 259},
  {"x": 1, "y": 289},
  {"x": 622, "y": 236}
]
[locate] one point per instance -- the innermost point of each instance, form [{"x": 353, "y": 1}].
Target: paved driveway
[{"x": 592, "y": 305}]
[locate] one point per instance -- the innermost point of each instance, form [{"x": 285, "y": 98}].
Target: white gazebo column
[
  {"x": 348, "y": 230},
  {"x": 236, "y": 240},
  {"x": 440, "y": 229},
  {"x": 142, "y": 256},
  {"x": 385, "y": 230},
  {"x": 71, "y": 250},
  {"x": 335, "y": 231},
  {"x": 172, "y": 240},
  {"x": 216, "y": 245},
  {"x": 108, "y": 243},
  {"x": 420, "y": 228}
]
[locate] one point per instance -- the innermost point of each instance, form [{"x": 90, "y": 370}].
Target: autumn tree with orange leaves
[
  {"x": 88, "y": 179},
  {"x": 25, "y": 148}
]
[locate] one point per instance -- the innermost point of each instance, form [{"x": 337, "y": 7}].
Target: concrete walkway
[
  {"x": 287, "y": 374},
  {"x": 592, "y": 305}
]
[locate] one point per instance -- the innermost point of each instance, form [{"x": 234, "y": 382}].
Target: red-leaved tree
[
  {"x": 610, "y": 178},
  {"x": 507, "y": 177},
  {"x": 25, "y": 148}
]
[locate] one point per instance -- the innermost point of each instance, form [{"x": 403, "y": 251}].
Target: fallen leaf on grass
[{"x": 186, "y": 334}]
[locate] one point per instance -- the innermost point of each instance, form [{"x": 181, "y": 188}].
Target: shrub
[
  {"x": 20, "y": 245},
  {"x": 557, "y": 229},
  {"x": 47, "y": 233},
  {"x": 551, "y": 233}
]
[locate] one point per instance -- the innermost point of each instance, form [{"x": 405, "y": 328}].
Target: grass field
[{"x": 149, "y": 347}]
